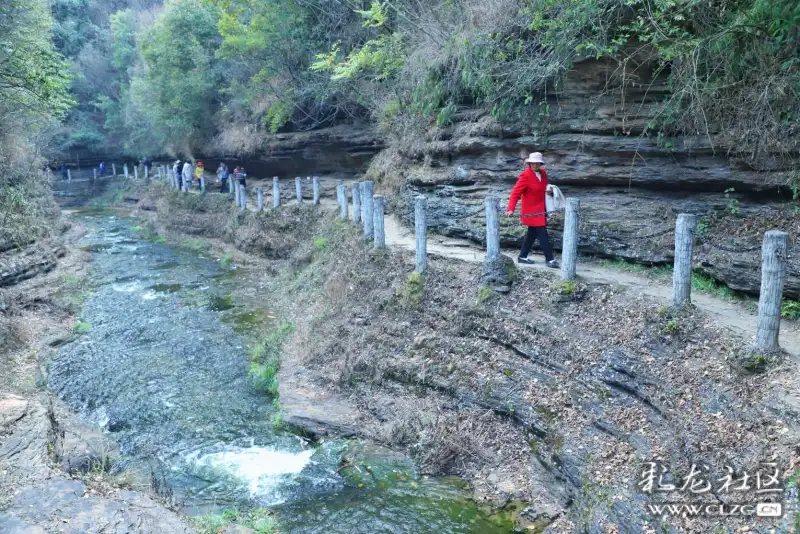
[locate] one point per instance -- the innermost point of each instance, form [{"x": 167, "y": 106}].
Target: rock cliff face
[{"x": 631, "y": 185}]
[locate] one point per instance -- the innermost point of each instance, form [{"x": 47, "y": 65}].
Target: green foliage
[
  {"x": 703, "y": 282},
  {"x": 566, "y": 287},
  {"x": 226, "y": 259},
  {"x": 34, "y": 78},
  {"x": 413, "y": 290},
  {"x": 259, "y": 520},
  {"x": 484, "y": 294},
  {"x": 790, "y": 309},
  {"x": 265, "y": 359},
  {"x": 733, "y": 203},
  {"x": 195, "y": 244},
  {"x": 319, "y": 242},
  {"x": 123, "y": 39}
]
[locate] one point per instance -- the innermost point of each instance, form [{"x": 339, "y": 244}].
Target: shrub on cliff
[{"x": 33, "y": 95}]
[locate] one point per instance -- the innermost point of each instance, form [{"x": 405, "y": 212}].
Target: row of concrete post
[
  {"x": 774, "y": 253},
  {"x": 368, "y": 210}
]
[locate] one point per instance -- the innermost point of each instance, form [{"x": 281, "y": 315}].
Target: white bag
[{"x": 556, "y": 201}]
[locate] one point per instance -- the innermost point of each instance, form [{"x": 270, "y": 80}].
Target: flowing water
[{"x": 161, "y": 365}]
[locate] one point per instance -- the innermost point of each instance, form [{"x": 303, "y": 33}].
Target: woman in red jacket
[{"x": 532, "y": 187}]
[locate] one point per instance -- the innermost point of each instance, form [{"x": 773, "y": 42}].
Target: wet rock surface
[{"x": 65, "y": 506}]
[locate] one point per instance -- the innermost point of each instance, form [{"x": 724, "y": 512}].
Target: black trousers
[{"x": 535, "y": 232}]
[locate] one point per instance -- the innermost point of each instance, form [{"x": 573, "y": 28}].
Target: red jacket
[{"x": 532, "y": 191}]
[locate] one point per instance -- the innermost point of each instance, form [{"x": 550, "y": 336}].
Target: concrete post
[
  {"x": 114, "y": 169},
  {"x": 569, "y": 247},
  {"x": 69, "y": 176},
  {"x": 146, "y": 173},
  {"x": 421, "y": 230},
  {"x": 243, "y": 197},
  {"x": 125, "y": 170},
  {"x": 378, "y": 204},
  {"x": 94, "y": 174},
  {"x": 276, "y": 192},
  {"x": 237, "y": 192},
  {"x": 362, "y": 194},
  {"x": 298, "y": 187},
  {"x": 492, "y": 229},
  {"x": 203, "y": 183},
  {"x": 341, "y": 193},
  {"x": 135, "y": 172},
  {"x": 230, "y": 187},
  {"x": 260, "y": 198},
  {"x": 356, "y": 187},
  {"x": 316, "y": 190},
  {"x": 774, "y": 253},
  {"x": 682, "y": 270},
  {"x": 366, "y": 200}
]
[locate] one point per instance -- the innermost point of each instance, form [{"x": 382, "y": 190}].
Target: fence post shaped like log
[
  {"x": 356, "y": 188},
  {"x": 243, "y": 197},
  {"x": 341, "y": 194},
  {"x": 774, "y": 253},
  {"x": 366, "y": 201},
  {"x": 420, "y": 229},
  {"x": 316, "y": 190},
  {"x": 298, "y": 188},
  {"x": 276, "y": 192},
  {"x": 378, "y": 203},
  {"x": 69, "y": 176},
  {"x": 146, "y": 173},
  {"x": 114, "y": 169},
  {"x": 569, "y": 247},
  {"x": 682, "y": 270},
  {"x": 363, "y": 210},
  {"x": 94, "y": 174},
  {"x": 236, "y": 194},
  {"x": 135, "y": 172},
  {"x": 203, "y": 183},
  {"x": 125, "y": 170},
  {"x": 492, "y": 229}
]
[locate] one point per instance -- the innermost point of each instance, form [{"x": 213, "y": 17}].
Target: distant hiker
[
  {"x": 240, "y": 176},
  {"x": 532, "y": 187},
  {"x": 199, "y": 172},
  {"x": 63, "y": 172},
  {"x": 222, "y": 177},
  {"x": 187, "y": 175},
  {"x": 146, "y": 164},
  {"x": 102, "y": 168}
]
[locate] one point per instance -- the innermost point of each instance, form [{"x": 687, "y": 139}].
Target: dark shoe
[
  {"x": 553, "y": 264},
  {"x": 526, "y": 261}
]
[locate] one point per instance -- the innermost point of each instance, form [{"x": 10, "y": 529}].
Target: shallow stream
[{"x": 161, "y": 365}]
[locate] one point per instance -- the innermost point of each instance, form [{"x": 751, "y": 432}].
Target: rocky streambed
[{"x": 159, "y": 364}]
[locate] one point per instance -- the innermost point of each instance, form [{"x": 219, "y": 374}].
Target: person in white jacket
[{"x": 187, "y": 175}]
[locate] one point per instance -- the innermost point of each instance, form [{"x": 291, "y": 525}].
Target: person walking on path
[
  {"x": 187, "y": 175},
  {"x": 63, "y": 170},
  {"x": 222, "y": 177},
  {"x": 198, "y": 172},
  {"x": 240, "y": 176},
  {"x": 532, "y": 187},
  {"x": 102, "y": 168}
]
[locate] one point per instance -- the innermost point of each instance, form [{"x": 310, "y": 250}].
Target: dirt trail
[{"x": 728, "y": 314}]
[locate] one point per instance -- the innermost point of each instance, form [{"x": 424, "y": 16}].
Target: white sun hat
[{"x": 535, "y": 157}]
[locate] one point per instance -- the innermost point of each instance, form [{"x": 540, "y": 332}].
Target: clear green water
[{"x": 164, "y": 371}]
